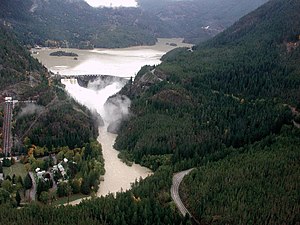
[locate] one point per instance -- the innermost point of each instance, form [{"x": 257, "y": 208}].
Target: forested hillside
[
  {"x": 230, "y": 107},
  {"x": 46, "y": 122},
  {"x": 256, "y": 184},
  {"x": 199, "y": 20},
  {"x": 53, "y": 123},
  {"x": 53, "y": 119},
  {"x": 231, "y": 91},
  {"x": 148, "y": 203},
  {"x": 76, "y": 24}
]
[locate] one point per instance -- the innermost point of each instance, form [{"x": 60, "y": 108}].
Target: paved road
[
  {"x": 296, "y": 124},
  {"x": 177, "y": 178},
  {"x": 32, "y": 192}
]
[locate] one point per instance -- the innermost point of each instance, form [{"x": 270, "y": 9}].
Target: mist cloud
[
  {"x": 30, "y": 109},
  {"x": 97, "y": 97},
  {"x": 112, "y": 3},
  {"x": 102, "y": 82},
  {"x": 116, "y": 110}
]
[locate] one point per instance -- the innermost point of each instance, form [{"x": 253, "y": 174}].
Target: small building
[
  {"x": 55, "y": 168},
  {"x": 40, "y": 174},
  {"x": 61, "y": 169},
  {"x": 8, "y": 99}
]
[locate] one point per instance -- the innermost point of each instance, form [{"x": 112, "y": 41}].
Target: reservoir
[
  {"x": 122, "y": 62},
  {"x": 125, "y": 62}
]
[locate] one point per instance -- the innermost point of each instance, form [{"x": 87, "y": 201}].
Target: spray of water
[
  {"x": 95, "y": 98},
  {"x": 30, "y": 109},
  {"x": 116, "y": 110}
]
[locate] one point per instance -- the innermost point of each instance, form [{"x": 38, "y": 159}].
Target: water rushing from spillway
[
  {"x": 118, "y": 175},
  {"x": 119, "y": 62}
]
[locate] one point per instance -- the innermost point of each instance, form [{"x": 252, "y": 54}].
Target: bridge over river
[
  {"x": 84, "y": 79},
  {"x": 85, "y": 76}
]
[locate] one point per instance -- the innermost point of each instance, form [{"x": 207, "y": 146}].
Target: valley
[
  {"x": 76, "y": 24},
  {"x": 213, "y": 128},
  {"x": 120, "y": 63}
]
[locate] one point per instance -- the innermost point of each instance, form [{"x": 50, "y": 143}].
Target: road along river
[{"x": 124, "y": 62}]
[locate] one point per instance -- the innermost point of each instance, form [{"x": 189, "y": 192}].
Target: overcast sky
[{"x": 113, "y": 3}]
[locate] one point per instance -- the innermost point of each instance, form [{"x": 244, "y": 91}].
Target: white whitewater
[{"x": 118, "y": 175}]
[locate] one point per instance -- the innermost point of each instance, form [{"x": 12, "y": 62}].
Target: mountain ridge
[
  {"x": 243, "y": 73},
  {"x": 23, "y": 78},
  {"x": 239, "y": 129},
  {"x": 76, "y": 24},
  {"x": 226, "y": 107}
]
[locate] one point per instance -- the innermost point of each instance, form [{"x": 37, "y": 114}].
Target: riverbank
[
  {"x": 119, "y": 176},
  {"x": 118, "y": 62}
]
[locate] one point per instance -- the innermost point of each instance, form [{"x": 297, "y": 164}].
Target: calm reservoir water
[{"x": 124, "y": 62}]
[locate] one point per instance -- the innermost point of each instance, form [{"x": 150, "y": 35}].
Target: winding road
[
  {"x": 177, "y": 178},
  {"x": 32, "y": 191}
]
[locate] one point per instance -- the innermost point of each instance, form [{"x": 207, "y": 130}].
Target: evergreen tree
[{"x": 27, "y": 182}]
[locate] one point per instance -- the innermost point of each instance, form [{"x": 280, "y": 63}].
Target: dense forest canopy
[
  {"x": 60, "y": 121},
  {"x": 257, "y": 184},
  {"x": 230, "y": 91},
  {"x": 76, "y": 24},
  {"x": 199, "y": 20},
  {"x": 213, "y": 103},
  {"x": 228, "y": 107},
  {"x": 47, "y": 126}
]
